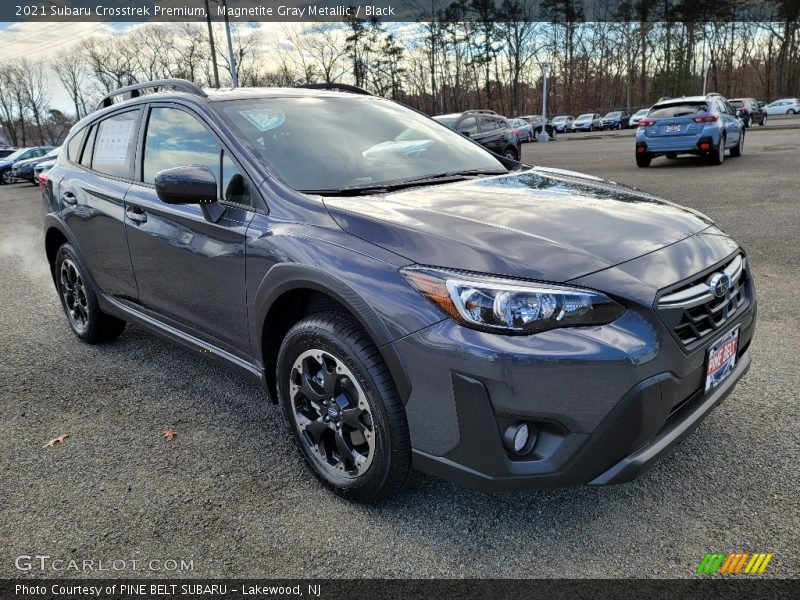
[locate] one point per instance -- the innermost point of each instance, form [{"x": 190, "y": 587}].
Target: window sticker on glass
[
  {"x": 264, "y": 118},
  {"x": 111, "y": 147}
]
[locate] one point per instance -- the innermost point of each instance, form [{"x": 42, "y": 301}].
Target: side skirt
[{"x": 251, "y": 371}]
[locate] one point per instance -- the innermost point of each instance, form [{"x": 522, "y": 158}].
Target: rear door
[
  {"x": 91, "y": 198},
  {"x": 490, "y": 134},
  {"x": 731, "y": 121},
  {"x": 190, "y": 271}
]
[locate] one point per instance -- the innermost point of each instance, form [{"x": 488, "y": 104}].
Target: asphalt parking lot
[{"x": 231, "y": 494}]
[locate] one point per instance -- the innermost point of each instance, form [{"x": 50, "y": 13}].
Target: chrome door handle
[{"x": 136, "y": 214}]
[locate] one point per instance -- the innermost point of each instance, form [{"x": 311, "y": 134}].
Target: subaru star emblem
[{"x": 719, "y": 284}]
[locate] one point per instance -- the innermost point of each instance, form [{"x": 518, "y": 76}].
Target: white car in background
[
  {"x": 784, "y": 106},
  {"x": 637, "y": 116}
]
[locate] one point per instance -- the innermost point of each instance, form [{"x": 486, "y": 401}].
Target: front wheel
[
  {"x": 739, "y": 148},
  {"x": 6, "y": 178},
  {"x": 510, "y": 154},
  {"x": 342, "y": 406},
  {"x": 790, "y": 111},
  {"x": 764, "y": 121},
  {"x": 643, "y": 161},
  {"x": 79, "y": 301}
]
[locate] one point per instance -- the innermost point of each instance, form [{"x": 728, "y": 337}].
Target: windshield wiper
[{"x": 388, "y": 186}]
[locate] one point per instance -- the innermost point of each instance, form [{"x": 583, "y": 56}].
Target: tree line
[{"x": 458, "y": 55}]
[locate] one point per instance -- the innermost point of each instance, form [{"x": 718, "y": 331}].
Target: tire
[
  {"x": 748, "y": 122},
  {"x": 510, "y": 153},
  {"x": 643, "y": 161},
  {"x": 717, "y": 156},
  {"x": 5, "y": 179},
  {"x": 737, "y": 151},
  {"x": 764, "y": 121},
  {"x": 373, "y": 432},
  {"x": 530, "y": 137},
  {"x": 790, "y": 111},
  {"x": 79, "y": 301}
]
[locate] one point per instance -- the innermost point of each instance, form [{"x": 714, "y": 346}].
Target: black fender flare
[
  {"x": 51, "y": 221},
  {"x": 285, "y": 277}
]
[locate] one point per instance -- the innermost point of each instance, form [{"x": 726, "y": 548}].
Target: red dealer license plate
[{"x": 721, "y": 359}]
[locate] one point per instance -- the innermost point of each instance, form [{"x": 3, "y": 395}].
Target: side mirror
[
  {"x": 739, "y": 112},
  {"x": 190, "y": 185}
]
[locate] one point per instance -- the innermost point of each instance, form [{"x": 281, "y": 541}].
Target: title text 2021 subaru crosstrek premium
[{"x": 408, "y": 297}]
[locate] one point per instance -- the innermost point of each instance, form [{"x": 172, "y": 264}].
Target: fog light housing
[{"x": 520, "y": 438}]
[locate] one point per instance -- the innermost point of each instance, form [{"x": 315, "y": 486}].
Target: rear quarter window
[{"x": 74, "y": 145}]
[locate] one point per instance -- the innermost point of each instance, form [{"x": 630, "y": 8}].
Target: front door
[{"x": 190, "y": 271}]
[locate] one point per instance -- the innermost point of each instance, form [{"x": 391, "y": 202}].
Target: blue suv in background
[{"x": 702, "y": 125}]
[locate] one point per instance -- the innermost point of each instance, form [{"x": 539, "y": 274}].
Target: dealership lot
[{"x": 230, "y": 493}]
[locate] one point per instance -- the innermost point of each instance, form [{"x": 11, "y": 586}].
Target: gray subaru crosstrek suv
[{"x": 409, "y": 298}]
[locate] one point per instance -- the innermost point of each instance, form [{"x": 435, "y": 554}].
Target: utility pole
[
  {"x": 213, "y": 48},
  {"x": 543, "y": 137},
  {"x": 232, "y": 58}
]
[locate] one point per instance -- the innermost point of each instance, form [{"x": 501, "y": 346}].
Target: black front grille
[{"x": 692, "y": 323}]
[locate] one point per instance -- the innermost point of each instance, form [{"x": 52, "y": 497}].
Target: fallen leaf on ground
[
  {"x": 169, "y": 434},
  {"x": 59, "y": 440}
]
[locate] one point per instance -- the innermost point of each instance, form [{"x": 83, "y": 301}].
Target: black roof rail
[
  {"x": 335, "y": 87},
  {"x": 132, "y": 91}
]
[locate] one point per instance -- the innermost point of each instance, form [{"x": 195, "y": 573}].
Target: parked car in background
[
  {"x": 563, "y": 123},
  {"x": 21, "y": 154},
  {"x": 487, "y": 128},
  {"x": 523, "y": 129},
  {"x": 536, "y": 125},
  {"x": 750, "y": 111},
  {"x": 4, "y": 152},
  {"x": 637, "y": 116},
  {"x": 784, "y": 106},
  {"x": 616, "y": 119},
  {"x": 22, "y": 170},
  {"x": 587, "y": 122},
  {"x": 704, "y": 125},
  {"x": 41, "y": 170}
]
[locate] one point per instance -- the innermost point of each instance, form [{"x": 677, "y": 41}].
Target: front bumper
[{"x": 607, "y": 401}]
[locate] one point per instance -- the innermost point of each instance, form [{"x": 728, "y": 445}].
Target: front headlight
[{"x": 509, "y": 306}]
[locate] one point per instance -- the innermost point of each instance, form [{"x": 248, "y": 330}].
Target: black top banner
[{"x": 556, "y": 11}]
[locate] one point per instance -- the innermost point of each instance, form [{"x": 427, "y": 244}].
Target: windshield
[
  {"x": 559, "y": 119},
  {"x": 642, "y": 112},
  {"x": 585, "y": 117},
  {"x": 317, "y": 143},
  {"x": 53, "y": 153},
  {"x": 447, "y": 121},
  {"x": 612, "y": 115},
  {"x": 15, "y": 155},
  {"x": 737, "y": 103},
  {"x": 679, "y": 109}
]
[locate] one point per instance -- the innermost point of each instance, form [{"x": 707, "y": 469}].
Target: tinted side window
[
  {"x": 234, "y": 185},
  {"x": 177, "y": 139},
  {"x": 488, "y": 124},
  {"x": 113, "y": 146},
  {"x": 86, "y": 157},
  {"x": 468, "y": 125},
  {"x": 74, "y": 146}
]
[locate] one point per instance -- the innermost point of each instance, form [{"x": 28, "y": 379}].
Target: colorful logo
[{"x": 734, "y": 563}]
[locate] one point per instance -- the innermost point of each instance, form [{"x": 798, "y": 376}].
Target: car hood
[{"x": 545, "y": 224}]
